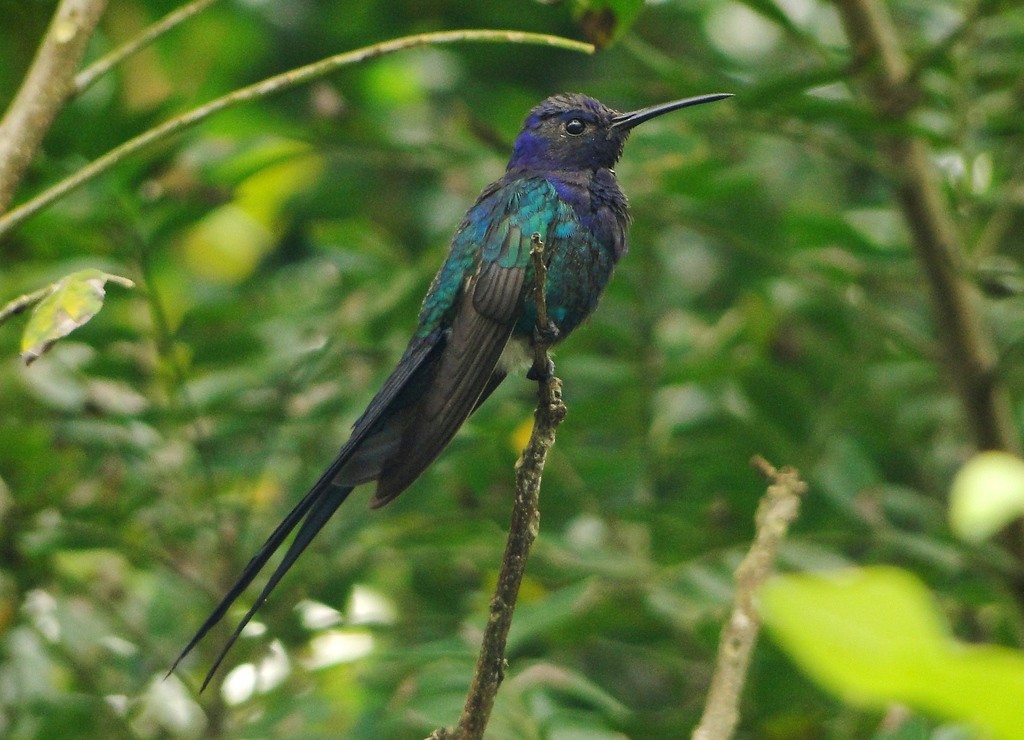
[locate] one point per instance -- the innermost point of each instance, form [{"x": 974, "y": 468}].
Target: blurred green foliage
[
  {"x": 832, "y": 624},
  {"x": 770, "y": 304}
]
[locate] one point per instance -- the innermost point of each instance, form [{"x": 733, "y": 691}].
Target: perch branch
[
  {"x": 525, "y": 523},
  {"x": 46, "y": 87},
  {"x": 262, "y": 89},
  {"x": 778, "y": 509}
]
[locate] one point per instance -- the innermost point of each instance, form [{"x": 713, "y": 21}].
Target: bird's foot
[{"x": 547, "y": 335}]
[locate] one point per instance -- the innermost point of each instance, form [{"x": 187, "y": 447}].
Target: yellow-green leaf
[
  {"x": 226, "y": 246},
  {"x": 874, "y": 636},
  {"x": 73, "y": 300},
  {"x": 987, "y": 494}
]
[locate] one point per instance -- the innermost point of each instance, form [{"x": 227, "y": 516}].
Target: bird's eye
[{"x": 575, "y": 127}]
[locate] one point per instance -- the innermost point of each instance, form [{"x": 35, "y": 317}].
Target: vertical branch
[
  {"x": 970, "y": 355},
  {"x": 778, "y": 509},
  {"x": 541, "y": 361},
  {"x": 491, "y": 663},
  {"x": 47, "y": 86}
]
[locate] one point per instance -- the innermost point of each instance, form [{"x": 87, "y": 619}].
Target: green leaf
[
  {"x": 226, "y": 245},
  {"x": 772, "y": 12},
  {"x": 73, "y": 300},
  {"x": 987, "y": 494},
  {"x": 874, "y": 636}
]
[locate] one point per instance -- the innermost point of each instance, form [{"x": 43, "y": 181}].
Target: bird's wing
[
  {"x": 435, "y": 386},
  {"x": 314, "y": 509},
  {"x": 488, "y": 309}
]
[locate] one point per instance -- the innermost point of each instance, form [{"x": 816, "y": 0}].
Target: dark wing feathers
[
  {"x": 317, "y": 506},
  {"x": 327, "y": 502},
  {"x": 479, "y": 333},
  {"x": 497, "y": 293},
  {"x": 487, "y": 312},
  {"x": 410, "y": 364},
  {"x": 441, "y": 379}
]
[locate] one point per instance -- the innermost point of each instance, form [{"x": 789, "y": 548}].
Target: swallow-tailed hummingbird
[{"x": 477, "y": 322}]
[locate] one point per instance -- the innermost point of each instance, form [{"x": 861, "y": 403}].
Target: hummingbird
[{"x": 478, "y": 320}]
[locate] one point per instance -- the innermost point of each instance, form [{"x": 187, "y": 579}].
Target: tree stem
[
  {"x": 970, "y": 356},
  {"x": 47, "y": 86}
]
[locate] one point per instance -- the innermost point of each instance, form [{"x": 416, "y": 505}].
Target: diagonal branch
[
  {"x": 262, "y": 89},
  {"x": 970, "y": 355},
  {"x": 47, "y": 86},
  {"x": 84, "y": 79}
]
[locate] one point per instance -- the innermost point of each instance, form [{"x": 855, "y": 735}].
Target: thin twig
[
  {"x": 45, "y": 89},
  {"x": 262, "y": 89},
  {"x": 491, "y": 663},
  {"x": 84, "y": 79},
  {"x": 23, "y": 303},
  {"x": 778, "y": 509}
]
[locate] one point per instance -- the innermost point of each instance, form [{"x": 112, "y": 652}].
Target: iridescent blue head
[{"x": 572, "y": 131}]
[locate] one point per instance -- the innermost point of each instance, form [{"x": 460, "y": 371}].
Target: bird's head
[{"x": 573, "y": 131}]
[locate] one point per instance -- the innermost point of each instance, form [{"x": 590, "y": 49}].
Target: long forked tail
[
  {"x": 313, "y": 511},
  {"x": 360, "y": 460},
  {"x": 438, "y": 383}
]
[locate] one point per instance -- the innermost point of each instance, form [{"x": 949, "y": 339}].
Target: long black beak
[{"x": 636, "y": 117}]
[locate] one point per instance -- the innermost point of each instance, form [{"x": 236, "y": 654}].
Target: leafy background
[{"x": 771, "y": 303}]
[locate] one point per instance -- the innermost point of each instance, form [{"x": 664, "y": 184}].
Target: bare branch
[
  {"x": 545, "y": 333},
  {"x": 262, "y": 89},
  {"x": 491, "y": 663},
  {"x": 45, "y": 89},
  {"x": 778, "y": 509}
]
